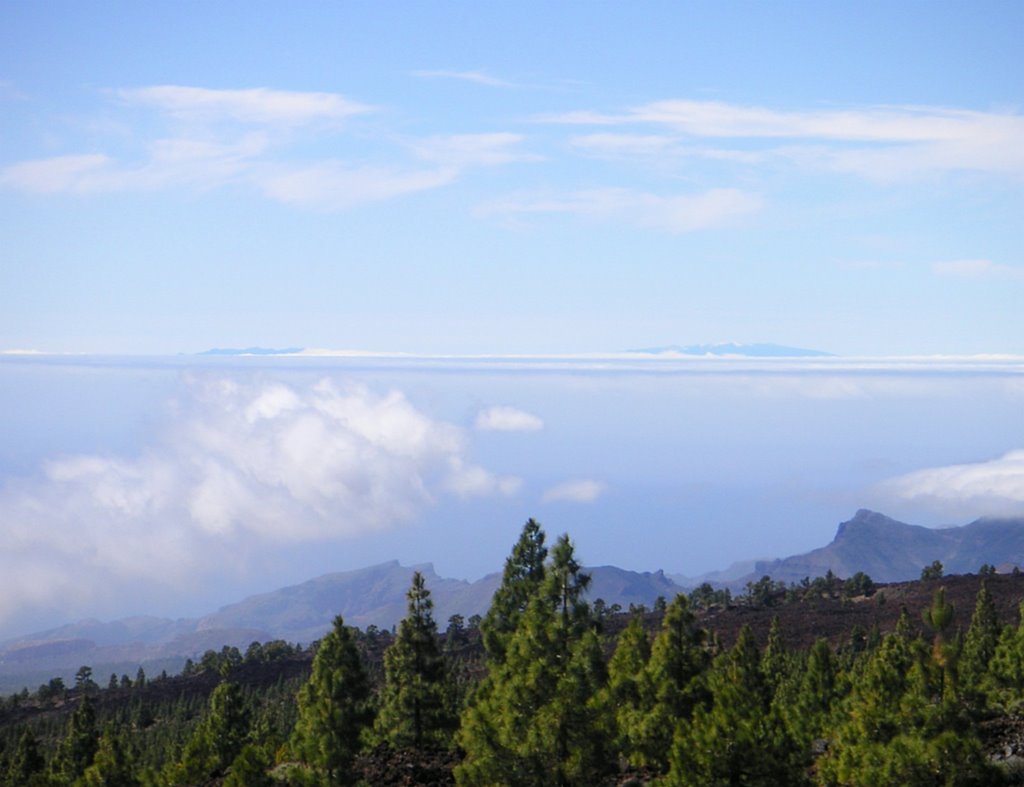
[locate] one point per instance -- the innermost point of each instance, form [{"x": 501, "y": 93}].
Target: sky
[
  {"x": 471, "y": 211},
  {"x": 511, "y": 177}
]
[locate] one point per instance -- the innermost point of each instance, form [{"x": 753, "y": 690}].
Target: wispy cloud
[
  {"x": 878, "y": 142},
  {"x": 331, "y": 185},
  {"x": 978, "y": 269},
  {"x": 507, "y": 419},
  {"x": 242, "y": 138},
  {"x": 476, "y": 77},
  {"x": 170, "y": 163},
  {"x": 995, "y": 487},
  {"x": 242, "y": 464},
  {"x": 680, "y": 213},
  {"x": 465, "y": 150},
  {"x": 578, "y": 491},
  {"x": 254, "y": 105}
]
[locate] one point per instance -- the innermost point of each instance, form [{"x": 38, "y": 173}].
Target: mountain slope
[
  {"x": 299, "y": 613},
  {"x": 892, "y": 551}
]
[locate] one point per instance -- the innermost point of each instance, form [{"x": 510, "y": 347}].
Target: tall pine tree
[
  {"x": 536, "y": 719},
  {"x": 415, "y": 705},
  {"x": 521, "y": 579},
  {"x": 334, "y": 709}
]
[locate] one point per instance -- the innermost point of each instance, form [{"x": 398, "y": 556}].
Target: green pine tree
[
  {"x": 28, "y": 766},
  {"x": 536, "y": 717},
  {"x": 625, "y": 698},
  {"x": 979, "y": 646},
  {"x": 218, "y": 738},
  {"x": 899, "y": 729},
  {"x": 672, "y": 685},
  {"x": 738, "y": 739},
  {"x": 808, "y": 713},
  {"x": 416, "y": 698},
  {"x": 334, "y": 709},
  {"x": 522, "y": 577},
  {"x": 79, "y": 744},
  {"x": 113, "y": 765}
]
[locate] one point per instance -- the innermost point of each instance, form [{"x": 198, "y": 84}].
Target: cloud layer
[
  {"x": 243, "y": 465},
  {"x": 995, "y": 487}
]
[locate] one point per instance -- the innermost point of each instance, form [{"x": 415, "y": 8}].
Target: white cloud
[
  {"x": 464, "y": 150},
  {"x": 676, "y": 214},
  {"x": 171, "y": 162},
  {"x": 71, "y": 174},
  {"x": 882, "y": 143},
  {"x": 242, "y": 466},
  {"x": 995, "y": 487},
  {"x": 474, "y": 481},
  {"x": 476, "y": 77},
  {"x": 207, "y": 149},
  {"x": 254, "y": 105},
  {"x": 333, "y": 185},
  {"x": 977, "y": 269},
  {"x": 507, "y": 419},
  {"x": 579, "y": 491}
]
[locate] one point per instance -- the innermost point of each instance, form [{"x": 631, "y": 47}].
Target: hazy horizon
[{"x": 217, "y": 477}]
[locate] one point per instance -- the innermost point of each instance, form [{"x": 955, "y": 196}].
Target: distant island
[
  {"x": 252, "y": 351},
  {"x": 730, "y": 348}
]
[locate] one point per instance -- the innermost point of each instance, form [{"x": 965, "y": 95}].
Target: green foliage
[
  {"x": 113, "y": 764},
  {"x": 1005, "y": 678},
  {"x": 739, "y": 738},
  {"x": 334, "y": 709},
  {"x": 672, "y": 686},
  {"x": 536, "y": 718},
  {"x": 522, "y": 577},
  {"x": 900, "y": 729},
  {"x": 28, "y": 766},
  {"x": 624, "y": 698},
  {"x": 808, "y": 715},
  {"x": 79, "y": 745},
  {"x": 979, "y": 645},
  {"x": 860, "y": 584},
  {"x": 705, "y": 597},
  {"x": 415, "y": 707},
  {"x": 218, "y": 739},
  {"x": 764, "y": 592},
  {"x": 933, "y": 571}
]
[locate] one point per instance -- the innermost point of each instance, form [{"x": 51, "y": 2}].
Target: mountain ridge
[
  {"x": 884, "y": 548},
  {"x": 758, "y": 350}
]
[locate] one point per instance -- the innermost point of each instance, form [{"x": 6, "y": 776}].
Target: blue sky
[
  {"x": 494, "y": 179},
  {"x": 511, "y": 177}
]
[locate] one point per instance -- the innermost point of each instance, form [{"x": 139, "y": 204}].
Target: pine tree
[
  {"x": 28, "y": 766},
  {"x": 738, "y": 739},
  {"x": 79, "y": 744},
  {"x": 672, "y": 685},
  {"x": 113, "y": 765},
  {"x": 897, "y": 730},
  {"x": 218, "y": 738},
  {"x": 1006, "y": 671},
  {"x": 415, "y": 700},
  {"x": 807, "y": 716},
  {"x": 979, "y": 645},
  {"x": 625, "y": 699},
  {"x": 522, "y": 577},
  {"x": 535, "y": 719},
  {"x": 333, "y": 708}
]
